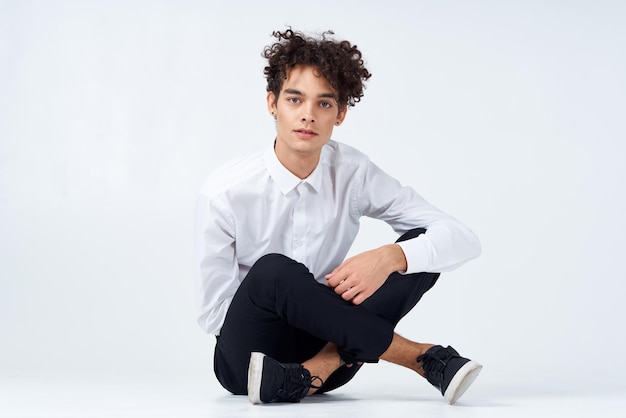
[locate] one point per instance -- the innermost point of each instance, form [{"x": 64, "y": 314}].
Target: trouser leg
[
  {"x": 400, "y": 292},
  {"x": 280, "y": 310},
  {"x": 392, "y": 301}
]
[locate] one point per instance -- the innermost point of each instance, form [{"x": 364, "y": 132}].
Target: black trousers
[{"x": 281, "y": 310}]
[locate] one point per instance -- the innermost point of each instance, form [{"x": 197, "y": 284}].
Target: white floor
[{"x": 85, "y": 397}]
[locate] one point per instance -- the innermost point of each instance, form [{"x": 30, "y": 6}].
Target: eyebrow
[{"x": 299, "y": 93}]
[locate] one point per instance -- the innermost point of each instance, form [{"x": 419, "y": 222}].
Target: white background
[{"x": 507, "y": 114}]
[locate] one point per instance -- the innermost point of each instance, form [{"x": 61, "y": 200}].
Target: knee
[
  {"x": 271, "y": 263},
  {"x": 274, "y": 275},
  {"x": 276, "y": 267}
]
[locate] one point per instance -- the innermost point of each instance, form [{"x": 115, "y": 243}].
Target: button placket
[{"x": 299, "y": 225}]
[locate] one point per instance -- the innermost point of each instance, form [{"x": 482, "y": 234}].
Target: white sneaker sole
[
  {"x": 255, "y": 375},
  {"x": 461, "y": 381}
]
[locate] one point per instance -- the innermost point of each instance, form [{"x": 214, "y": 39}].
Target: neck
[
  {"x": 300, "y": 164},
  {"x": 300, "y": 167}
]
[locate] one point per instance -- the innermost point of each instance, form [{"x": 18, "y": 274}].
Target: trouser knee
[
  {"x": 274, "y": 267},
  {"x": 273, "y": 277},
  {"x": 411, "y": 234},
  {"x": 269, "y": 263}
]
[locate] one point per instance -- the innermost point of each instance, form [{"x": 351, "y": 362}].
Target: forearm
[{"x": 445, "y": 246}]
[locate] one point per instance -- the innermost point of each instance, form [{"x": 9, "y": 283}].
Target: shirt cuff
[{"x": 419, "y": 254}]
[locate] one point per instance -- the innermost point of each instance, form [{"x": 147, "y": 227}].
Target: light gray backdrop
[{"x": 507, "y": 114}]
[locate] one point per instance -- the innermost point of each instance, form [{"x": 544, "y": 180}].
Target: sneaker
[
  {"x": 446, "y": 370},
  {"x": 271, "y": 381}
]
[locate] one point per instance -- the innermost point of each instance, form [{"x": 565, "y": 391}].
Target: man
[{"x": 291, "y": 316}]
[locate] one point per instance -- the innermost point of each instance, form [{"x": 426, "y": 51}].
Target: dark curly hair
[{"x": 339, "y": 62}]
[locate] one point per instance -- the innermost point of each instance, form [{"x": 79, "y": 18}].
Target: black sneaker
[
  {"x": 271, "y": 381},
  {"x": 446, "y": 370}
]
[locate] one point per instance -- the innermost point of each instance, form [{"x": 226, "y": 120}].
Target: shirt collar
[{"x": 284, "y": 179}]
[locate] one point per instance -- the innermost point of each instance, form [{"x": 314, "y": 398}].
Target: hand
[{"x": 360, "y": 276}]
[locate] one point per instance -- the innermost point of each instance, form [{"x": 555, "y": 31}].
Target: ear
[
  {"x": 341, "y": 116},
  {"x": 271, "y": 103}
]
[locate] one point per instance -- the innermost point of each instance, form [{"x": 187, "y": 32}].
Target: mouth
[{"x": 305, "y": 133}]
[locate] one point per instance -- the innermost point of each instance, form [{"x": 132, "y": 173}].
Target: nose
[{"x": 308, "y": 114}]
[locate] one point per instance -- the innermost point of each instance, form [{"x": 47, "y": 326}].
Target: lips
[{"x": 305, "y": 133}]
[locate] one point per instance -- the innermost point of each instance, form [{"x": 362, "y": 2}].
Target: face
[{"x": 306, "y": 112}]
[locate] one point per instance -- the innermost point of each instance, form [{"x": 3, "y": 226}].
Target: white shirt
[{"x": 254, "y": 206}]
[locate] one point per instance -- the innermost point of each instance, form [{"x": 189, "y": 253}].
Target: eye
[
  {"x": 326, "y": 105},
  {"x": 293, "y": 99}
]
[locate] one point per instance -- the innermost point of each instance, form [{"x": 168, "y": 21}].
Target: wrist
[{"x": 396, "y": 258}]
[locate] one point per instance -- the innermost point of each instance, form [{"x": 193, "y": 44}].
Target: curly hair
[{"x": 339, "y": 62}]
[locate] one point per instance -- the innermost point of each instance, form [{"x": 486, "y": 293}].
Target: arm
[
  {"x": 216, "y": 271},
  {"x": 446, "y": 245}
]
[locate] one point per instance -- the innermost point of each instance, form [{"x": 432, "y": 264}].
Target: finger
[
  {"x": 358, "y": 299},
  {"x": 334, "y": 277},
  {"x": 350, "y": 293},
  {"x": 340, "y": 289},
  {"x": 332, "y": 273},
  {"x": 361, "y": 297},
  {"x": 332, "y": 282},
  {"x": 330, "y": 279}
]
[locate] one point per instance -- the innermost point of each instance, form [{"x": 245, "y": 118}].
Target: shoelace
[
  {"x": 296, "y": 384},
  {"x": 435, "y": 362}
]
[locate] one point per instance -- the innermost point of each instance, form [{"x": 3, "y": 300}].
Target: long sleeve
[
  {"x": 447, "y": 244},
  {"x": 254, "y": 206},
  {"x": 216, "y": 268}
]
